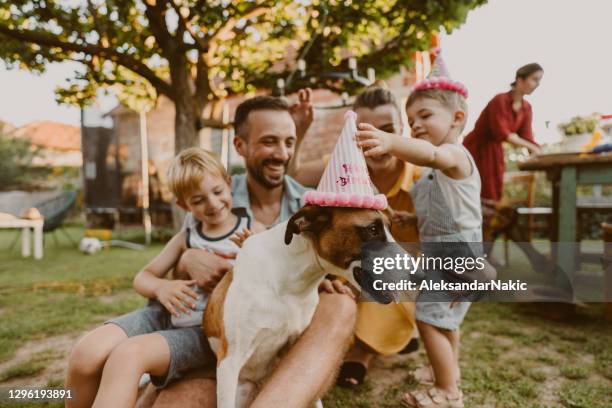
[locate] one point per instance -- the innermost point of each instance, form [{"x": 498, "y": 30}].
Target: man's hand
[
  {"x": 302, "y": 112},
  {"x": 204, "y": 267},
  {"x": 335, "y": 286},
  {"x": 373, "y": 141}
]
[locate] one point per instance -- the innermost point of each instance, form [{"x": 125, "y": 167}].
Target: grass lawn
[{"x": 513, "y": 355}]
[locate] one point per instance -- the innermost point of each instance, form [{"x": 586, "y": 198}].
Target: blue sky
[{"x": 569, "y": 38}]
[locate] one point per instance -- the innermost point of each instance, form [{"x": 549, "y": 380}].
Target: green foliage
[
  {"x": 193, "y": 51},
  {"x": 16, "y": 157}
]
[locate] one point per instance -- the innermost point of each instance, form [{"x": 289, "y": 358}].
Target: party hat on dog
[{"x": 346, "y": 182}]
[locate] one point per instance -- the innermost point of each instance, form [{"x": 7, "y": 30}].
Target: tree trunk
[{"x": 185, "y": 122}]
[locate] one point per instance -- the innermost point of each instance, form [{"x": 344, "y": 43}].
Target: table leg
[
  {"x": 26, "y": 242},
  {"x": 566, "y": 256},
  {"x": 38, "y": 242}
]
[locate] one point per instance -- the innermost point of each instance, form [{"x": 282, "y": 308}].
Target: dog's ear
[{"x": 311, "y": 218}]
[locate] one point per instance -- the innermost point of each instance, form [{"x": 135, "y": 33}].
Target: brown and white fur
[{"x": 270, "y": 298}]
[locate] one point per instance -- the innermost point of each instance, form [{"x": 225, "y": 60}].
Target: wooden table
[
  {"x": 26, "y": 237},
  {"x": 566, "y": 171}
]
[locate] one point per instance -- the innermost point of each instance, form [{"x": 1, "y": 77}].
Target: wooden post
[
  {"x": 144, "y": 162},
  {"x": 607, "y": 264},
  {"x": 567, "y": 226}
]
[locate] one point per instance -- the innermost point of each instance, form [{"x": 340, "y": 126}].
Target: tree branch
[
  {"x": 49, "y": 40},
  {"x": 187, "y": 26},
  {"x": 213, "y": 43}
]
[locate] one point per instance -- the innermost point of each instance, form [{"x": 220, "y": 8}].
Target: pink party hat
[
  {"x": 346, "y": 182},
  {"x": 439, "y": 78}
]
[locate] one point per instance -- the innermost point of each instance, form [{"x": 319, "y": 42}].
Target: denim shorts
[{"x": 188, "y": 346}]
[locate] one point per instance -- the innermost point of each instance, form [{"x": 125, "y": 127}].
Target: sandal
[
  {"x": 433, "y": 398},
  {"x": 351, "y": 370}
]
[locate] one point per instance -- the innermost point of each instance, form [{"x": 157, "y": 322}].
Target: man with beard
[{"x": 267, "y": 131}]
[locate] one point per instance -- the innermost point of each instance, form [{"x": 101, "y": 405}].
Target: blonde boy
[{"x": 164, "y": 338}]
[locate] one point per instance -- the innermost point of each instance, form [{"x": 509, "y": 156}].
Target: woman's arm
[
  {"x": 518, "y": 141},
  {"x": 526, "y": 133}
]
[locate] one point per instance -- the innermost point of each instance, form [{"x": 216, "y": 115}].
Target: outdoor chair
[
  {"x": 525, "y": 206},
  {"x": 54, "y": 210}
]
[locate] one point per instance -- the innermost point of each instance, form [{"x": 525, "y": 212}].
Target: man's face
[
  {"x": 387, "y": 119},
  {"x": 269, "y": 147}
]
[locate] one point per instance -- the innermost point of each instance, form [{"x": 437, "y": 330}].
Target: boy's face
[
  {"x": 387, "y": 119},
  {"x": 431, "y": 120},
  {"x": 210, "y": 202}
]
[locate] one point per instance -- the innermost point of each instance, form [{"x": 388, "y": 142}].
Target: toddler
[{"x": 447, "y": 206}]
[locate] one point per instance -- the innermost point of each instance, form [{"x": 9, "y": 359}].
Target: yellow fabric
[{"x": 387, "y": 329}]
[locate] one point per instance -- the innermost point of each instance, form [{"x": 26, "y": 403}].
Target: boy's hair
[
  {"x": 263, "y": 102},
  {"x": 188, "y": 168},
  {"x": 374, "y": 97},
  {"x": 449, "y": 99}
]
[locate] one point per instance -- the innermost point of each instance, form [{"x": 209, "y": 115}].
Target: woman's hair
[
  {"x": 375, "y": 96},
  {"x": 525, "y": 71}
]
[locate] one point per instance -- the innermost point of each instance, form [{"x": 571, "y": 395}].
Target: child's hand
[
  {"x": 374, "y": 142},
  {"x": 403, "y": 218},
  {"x": 240, "y": 236},
  {"x": 176, "y": 295}
]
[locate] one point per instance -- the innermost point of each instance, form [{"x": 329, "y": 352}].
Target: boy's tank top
[
  {"x": 197, "y": 239},
  {"x": 448, "y": 209}
]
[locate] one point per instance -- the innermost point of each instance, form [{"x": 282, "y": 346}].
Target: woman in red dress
[{"x": 507, "y": 118}]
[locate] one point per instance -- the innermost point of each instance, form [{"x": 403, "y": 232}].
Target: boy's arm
[
  {"x": 448, "y": 158},
  {"x": 151, "y": 277}
]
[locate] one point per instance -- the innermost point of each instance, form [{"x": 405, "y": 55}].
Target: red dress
[{"x": 493, "y": 126}]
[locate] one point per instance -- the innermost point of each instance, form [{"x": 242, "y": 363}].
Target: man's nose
[{"x": 282, "y": 153}]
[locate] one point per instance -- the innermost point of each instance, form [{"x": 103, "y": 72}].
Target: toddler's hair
[
  {"x": 188, "y": 168},
  {"x": 450, "y": 99}
]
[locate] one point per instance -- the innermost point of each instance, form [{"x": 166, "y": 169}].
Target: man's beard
[{"x": 257, "y": 172}]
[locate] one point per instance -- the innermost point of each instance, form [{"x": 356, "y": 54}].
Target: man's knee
[{"x": 337, "y": 312}]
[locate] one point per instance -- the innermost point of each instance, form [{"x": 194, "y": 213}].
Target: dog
[{"x": 265, "y": 304}]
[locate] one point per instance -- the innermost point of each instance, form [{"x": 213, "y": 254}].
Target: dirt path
[{"x": 59, "y": 349}]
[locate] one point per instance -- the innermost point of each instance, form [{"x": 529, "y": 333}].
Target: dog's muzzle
[{"x": 366, "y": 282}]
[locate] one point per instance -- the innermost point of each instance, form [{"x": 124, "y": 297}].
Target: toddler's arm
[
  {"x": 448, "y": 157},
  {"x": 150, "y": 282}
]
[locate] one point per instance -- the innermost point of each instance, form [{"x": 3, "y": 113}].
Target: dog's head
[{"x": 338, "y": 235}]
